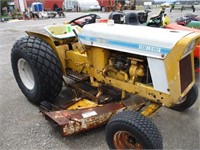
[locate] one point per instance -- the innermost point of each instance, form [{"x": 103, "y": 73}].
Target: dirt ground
[{"x": 23, "y": 127}]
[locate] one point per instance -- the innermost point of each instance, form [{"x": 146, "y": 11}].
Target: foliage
[{"x": 3, "y": 3}]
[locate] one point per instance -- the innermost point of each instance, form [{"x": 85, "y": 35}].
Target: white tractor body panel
[
  {"x": 141, "y": 40},
  {"x": 158, "y": 74}
]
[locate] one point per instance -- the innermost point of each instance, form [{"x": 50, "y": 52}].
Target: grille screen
[{"x": 185, "y": 72}]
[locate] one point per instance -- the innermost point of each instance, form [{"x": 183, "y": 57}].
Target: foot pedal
[{"x": 77, "y": 76}]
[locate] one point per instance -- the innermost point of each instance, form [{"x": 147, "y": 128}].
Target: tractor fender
[{"x": 48, "y": 40}]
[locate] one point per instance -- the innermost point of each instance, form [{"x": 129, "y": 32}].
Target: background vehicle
[
  {"x": 80, "y": 5},
  {"x": 159, "y": 20},
  {"x": 166, "y": 5},
  {"x": 39, "y": 12},
  {"x": 189, "y": 22},
  {"x": 193, "y": 17},
  {"x": 23, "y": 5},
  {"x": 107, "y": 5}
]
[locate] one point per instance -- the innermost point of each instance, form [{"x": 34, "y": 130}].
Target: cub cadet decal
[{"x": 137, "y": 46}]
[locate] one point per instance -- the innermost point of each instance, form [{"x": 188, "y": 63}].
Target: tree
[{"x": 3, "y": 3}]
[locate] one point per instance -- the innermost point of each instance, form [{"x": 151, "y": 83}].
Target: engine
[{"x": 125, "y": 67}]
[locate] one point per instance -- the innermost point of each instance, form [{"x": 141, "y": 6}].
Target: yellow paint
[
  {"x": 165, "y": 21},
  {"x": 78, "y": 46},
  {"x": 58, "y": 30},
  {"x": 96, "y": 76},
  {"x": 76, "y": 60},
  {"x": 81, "y": 104},
  {"x": 98, "y": 57},
  {"x": 97, "y": 64},
  {"x": 172, "y": 67},
  {"x": 151, "y": 109}
]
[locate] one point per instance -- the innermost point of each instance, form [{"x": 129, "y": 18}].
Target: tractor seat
[
  {"x": 142, "y": 17},
  {"x": 118, "y": 17},
  {"x": 132, "y": 19}
]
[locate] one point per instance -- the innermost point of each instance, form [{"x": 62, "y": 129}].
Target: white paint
[
  {"x": 89, "y": 114},
  {"x": 149, "y": 38},
  {"x": 21, "y": 5},
  {"x": 26, "y": 74},
  {"x": 147, "y": 3},
  {"x": 73, "y": 5},
  {"x": 158, "y": 74}
]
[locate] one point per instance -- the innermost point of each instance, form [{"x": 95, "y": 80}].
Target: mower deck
[{"x": 84, "y": 112}]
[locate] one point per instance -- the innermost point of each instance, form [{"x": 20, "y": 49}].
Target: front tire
[
  {"x": 188, "y": 100},
  {"x": 131, "y": 130},
  {"x": 37, "y": 69}
]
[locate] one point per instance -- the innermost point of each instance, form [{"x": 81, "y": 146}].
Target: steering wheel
[{"x": 90, "y": 18}]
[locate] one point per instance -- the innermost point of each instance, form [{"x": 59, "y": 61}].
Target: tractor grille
[{"x": 185, "y": 72}]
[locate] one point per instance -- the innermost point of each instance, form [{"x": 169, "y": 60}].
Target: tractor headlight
[{"x": 189, "y": 48}]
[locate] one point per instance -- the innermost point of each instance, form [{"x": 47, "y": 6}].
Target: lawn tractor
[
  {"x": 189, "y": 21},
  {"x": 118, "y": 75}
]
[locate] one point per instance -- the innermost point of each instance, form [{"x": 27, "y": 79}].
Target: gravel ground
[{"x": 23, "y": 127}]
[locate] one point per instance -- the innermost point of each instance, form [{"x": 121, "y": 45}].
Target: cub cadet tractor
[{"x": 119, "y": 75}]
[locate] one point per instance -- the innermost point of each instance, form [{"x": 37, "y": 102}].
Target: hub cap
[{"x": 26, "y": 74}]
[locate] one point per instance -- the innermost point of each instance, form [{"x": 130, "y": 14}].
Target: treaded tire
[
  {"x": 191, "y": 98},
  {"x": 44, "y": 65},
  {"x": 143, "y": 130}
]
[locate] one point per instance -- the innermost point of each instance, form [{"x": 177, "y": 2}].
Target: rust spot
[
  {"x": 125, "y": 140},
  {"x": 84, "y": 119}
]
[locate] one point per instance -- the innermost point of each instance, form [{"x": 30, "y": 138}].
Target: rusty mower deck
[{"x": 89, "y": 108}]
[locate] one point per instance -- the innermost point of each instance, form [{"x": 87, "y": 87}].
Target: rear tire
[
  {"x": 131, "y": 130},
  {"x": 188, "y": 101},
  {"x": 37, "y": 69}
]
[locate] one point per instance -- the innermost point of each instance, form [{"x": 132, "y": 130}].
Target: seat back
[
  {"x": 118, "y": 17},
  {"x": 142, "y": 17},
  {"x": 131, "y": 18}
]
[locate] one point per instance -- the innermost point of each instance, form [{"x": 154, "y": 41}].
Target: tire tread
[
  {"x": 147, "y": 129},
  {"x": 45, "y": 62}
]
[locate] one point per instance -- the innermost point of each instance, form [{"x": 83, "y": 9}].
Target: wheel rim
[
  {"x": 26, "y": 74},
  {"x": 182, "y": 100},
  {"x": 125, "y": 140}
]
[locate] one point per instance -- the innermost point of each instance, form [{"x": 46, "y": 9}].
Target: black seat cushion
[
  {"x": 132, "y": 19},
  {"x": 118, "y": 17}
]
